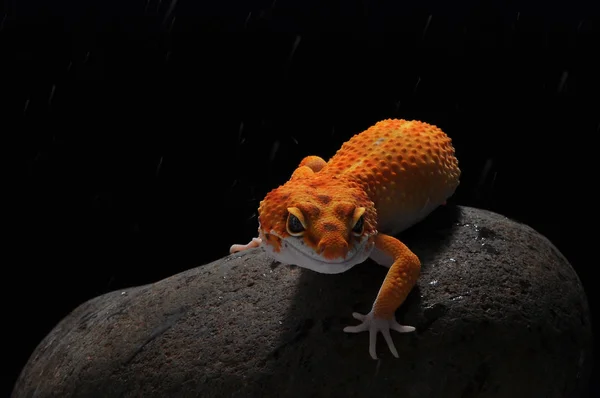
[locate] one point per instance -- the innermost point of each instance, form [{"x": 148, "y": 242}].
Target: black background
[{"x": 147, "y": 132}]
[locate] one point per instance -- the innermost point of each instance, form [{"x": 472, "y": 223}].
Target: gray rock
[{"x": 499, "y": 313}]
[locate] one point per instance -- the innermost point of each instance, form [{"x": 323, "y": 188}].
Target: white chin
[{"x": 294, "y": 253}]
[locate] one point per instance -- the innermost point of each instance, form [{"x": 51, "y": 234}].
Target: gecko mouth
[{"x": 293, "y": 251}]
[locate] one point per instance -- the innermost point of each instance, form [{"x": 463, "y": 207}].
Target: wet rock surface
[{"x": 499, "y": 312}]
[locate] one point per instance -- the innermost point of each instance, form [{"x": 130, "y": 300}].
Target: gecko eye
[
  {"x": 359, "y": 226},
  {"x": 294, "y": 226}
]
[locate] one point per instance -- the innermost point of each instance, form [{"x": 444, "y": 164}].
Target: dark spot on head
[
  {"x": 344, "y": 210},
  {"x": 285, "y": 196},
  {"x": 309, "y": 210},
  {"x": 330, "y": 227},
  {"x": 324, "y": 199}
]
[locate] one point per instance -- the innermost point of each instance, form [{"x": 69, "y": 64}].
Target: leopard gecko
[{"x": 330, "y": 216}]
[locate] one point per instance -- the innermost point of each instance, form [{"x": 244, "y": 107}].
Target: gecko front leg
[
  {"x": 399, "y": 281},
  {"x": 255, "y": 242}
]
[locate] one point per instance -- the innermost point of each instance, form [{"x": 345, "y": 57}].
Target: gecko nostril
[{"x": 333, "y": 249}]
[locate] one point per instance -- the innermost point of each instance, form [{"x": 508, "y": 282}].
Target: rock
[{"x": 499, "y": 313}]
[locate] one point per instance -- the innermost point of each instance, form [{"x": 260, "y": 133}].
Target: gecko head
[{"x": 327, "y": 226}]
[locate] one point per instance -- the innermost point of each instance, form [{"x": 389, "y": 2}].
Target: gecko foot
[
  {"x": 374, "y": 325},
  {"x": 255, "y": 242}
]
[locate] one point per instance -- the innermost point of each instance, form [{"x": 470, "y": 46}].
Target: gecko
[{"x": 332, "y": 215}]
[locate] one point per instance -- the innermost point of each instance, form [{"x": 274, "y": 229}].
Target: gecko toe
[
  {"x": 388, "y": 339},
  {"x": 255, "y": 242},
  {"x": 358, "y": 316},
  {"x": 356, "y": 329},
  {"x": 401, "y": 328}
]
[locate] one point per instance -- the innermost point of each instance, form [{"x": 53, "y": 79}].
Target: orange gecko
[{"x": 333, "y": 215}]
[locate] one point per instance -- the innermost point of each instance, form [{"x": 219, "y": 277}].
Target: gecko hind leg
[
  {"x": 308, "y": 166},
  {"x": 315, "y": 163},
  {"x": 255, "y": 242}
]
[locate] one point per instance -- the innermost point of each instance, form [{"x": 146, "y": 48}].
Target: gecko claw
[{"x": 374, "y": 325}]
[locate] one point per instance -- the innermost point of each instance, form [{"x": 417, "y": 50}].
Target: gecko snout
[{"x": 332, "y": 248}]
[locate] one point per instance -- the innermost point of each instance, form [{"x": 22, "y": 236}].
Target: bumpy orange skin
[
  {"x": 333, "y": 215},
  {"x": 398, "y": 170},
  {"x": 327, "y": 204}
]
